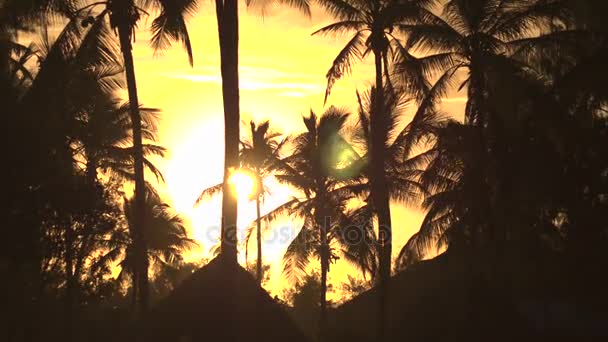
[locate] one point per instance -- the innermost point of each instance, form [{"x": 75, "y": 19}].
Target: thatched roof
[
  {"x": 221, "y": 302},
  {"x": 432, "y": 301}
]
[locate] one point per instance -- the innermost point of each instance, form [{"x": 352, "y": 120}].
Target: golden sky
[{"x": 282, "y": 76}]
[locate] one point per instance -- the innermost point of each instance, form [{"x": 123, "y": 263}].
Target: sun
[{"x": 243, "y": 183}]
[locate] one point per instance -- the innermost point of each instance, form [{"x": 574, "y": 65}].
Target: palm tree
[
  {"x": 166, "y": 237},
  {"x": 105, "y": 137},
  {"x": 480, "y": 37},
  {"x": 75, "y": 72},
  {"x": 228, "y": 32},
  {"x": 404, "y": 165},
  {"x": 77, "y": 78},
  {"x": 170, "y": 24},
  {"x": 498, "y": 45},
  {"x": 373, "y": 23},
  {"x": 260, "y": 153},
  {"x": 450, "y": 182},
  {"x": 314, "y": 169}
]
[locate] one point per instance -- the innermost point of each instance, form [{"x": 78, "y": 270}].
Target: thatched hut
[
  {"x": 431, "y": 301},
  {"x": 220, "y": 302}
]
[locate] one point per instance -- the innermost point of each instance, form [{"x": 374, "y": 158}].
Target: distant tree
[
  {"x": 314, "y": 169},
  {"x": 352, "y": 288},
  {"x": 259, "y": 154},
  {"x": 167, "y": 239},
  {"x": 168, "y": 277},
  {"x": 303, "y": 303}
]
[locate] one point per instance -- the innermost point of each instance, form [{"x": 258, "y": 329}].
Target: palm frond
[
  {"x": 343, "y": 63},
  {"x": 343, "y": 9},
  {"x": 300, "y": 251},
  {"x": 209, "y": 192},
  {"x": 170, "y": 25},
  {"x": 341, "y": 27}
]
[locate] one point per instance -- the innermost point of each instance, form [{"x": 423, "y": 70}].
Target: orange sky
[{"x": 282, "y": 76}]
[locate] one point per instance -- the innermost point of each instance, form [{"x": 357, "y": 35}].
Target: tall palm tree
[
  {"x": 261, "y": 155},
  {"x": 170, "y": 24},
  {"x": 373, "y": 23},
  {"x": 314, "y": 169},
  {"x": 74, "y": 71},
  {"x": 228, "y": 32}
]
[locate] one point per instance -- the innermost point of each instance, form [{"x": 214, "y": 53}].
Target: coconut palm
[
  {"x": 406, "y": 159},
  {"x": 228, "y": 33},
  {"x": 105, "y": 136},
  {"x": 484, "y": 46},
  {"x": 373, "y": 23},
  {"x": 169, "y": 25},
  {"x": 479, "y": 37},
  {"x": 73, "y": 91},
  {"x": 450, "y": 190},
  {"x": 314, "y": 169},
  {"x": 259, "y": 154},
  {"x": 463, "y": 169}
]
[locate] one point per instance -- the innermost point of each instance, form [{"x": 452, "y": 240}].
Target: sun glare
[{"x": 243, "y": 184}]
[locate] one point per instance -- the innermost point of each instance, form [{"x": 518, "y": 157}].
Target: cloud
[
  {"x": 259, "y": 79},
  {"x": 455, "y": 99}
]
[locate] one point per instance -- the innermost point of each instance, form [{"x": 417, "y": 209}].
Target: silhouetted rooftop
[
  {"x": 221, "y": 302},
  {"x": 431, "y": 301}
]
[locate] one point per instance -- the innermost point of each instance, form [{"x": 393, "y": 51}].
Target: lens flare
[{"x": 242, "y": 183}]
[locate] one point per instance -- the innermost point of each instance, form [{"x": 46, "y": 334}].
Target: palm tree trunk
[
  {"x": 379, "y": 192},
  {"x": 70, "y": 288},
  {"x": 228, "y": 30},
  {"x": 134, "y": 292},
  {"x": 258, "y": 272},
  {"x": 324, "y": 270},
  {"x": 141, "y": 263}
]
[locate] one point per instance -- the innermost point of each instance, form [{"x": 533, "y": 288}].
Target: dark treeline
[{"x": 516, "y": 191}]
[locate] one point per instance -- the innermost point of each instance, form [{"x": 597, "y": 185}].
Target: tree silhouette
[
  {"x": 169, "y": 25},
  {"x": 478, "y": 36},
  {"x": 166, "y": 237},
  {"x": 228, "y": 32},
  {"x": 313, "y": 169},
  {"x": 261, "y": 154},
  {"x": 373, "y": 23},
  {"x": 495, "y": 43},
  {"x": 405, "y": 162}
]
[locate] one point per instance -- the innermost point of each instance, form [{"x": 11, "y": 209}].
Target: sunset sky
[{"x": 282, "y": 76}]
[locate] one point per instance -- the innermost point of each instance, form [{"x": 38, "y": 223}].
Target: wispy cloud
[{"x": 258, "y": 79}]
